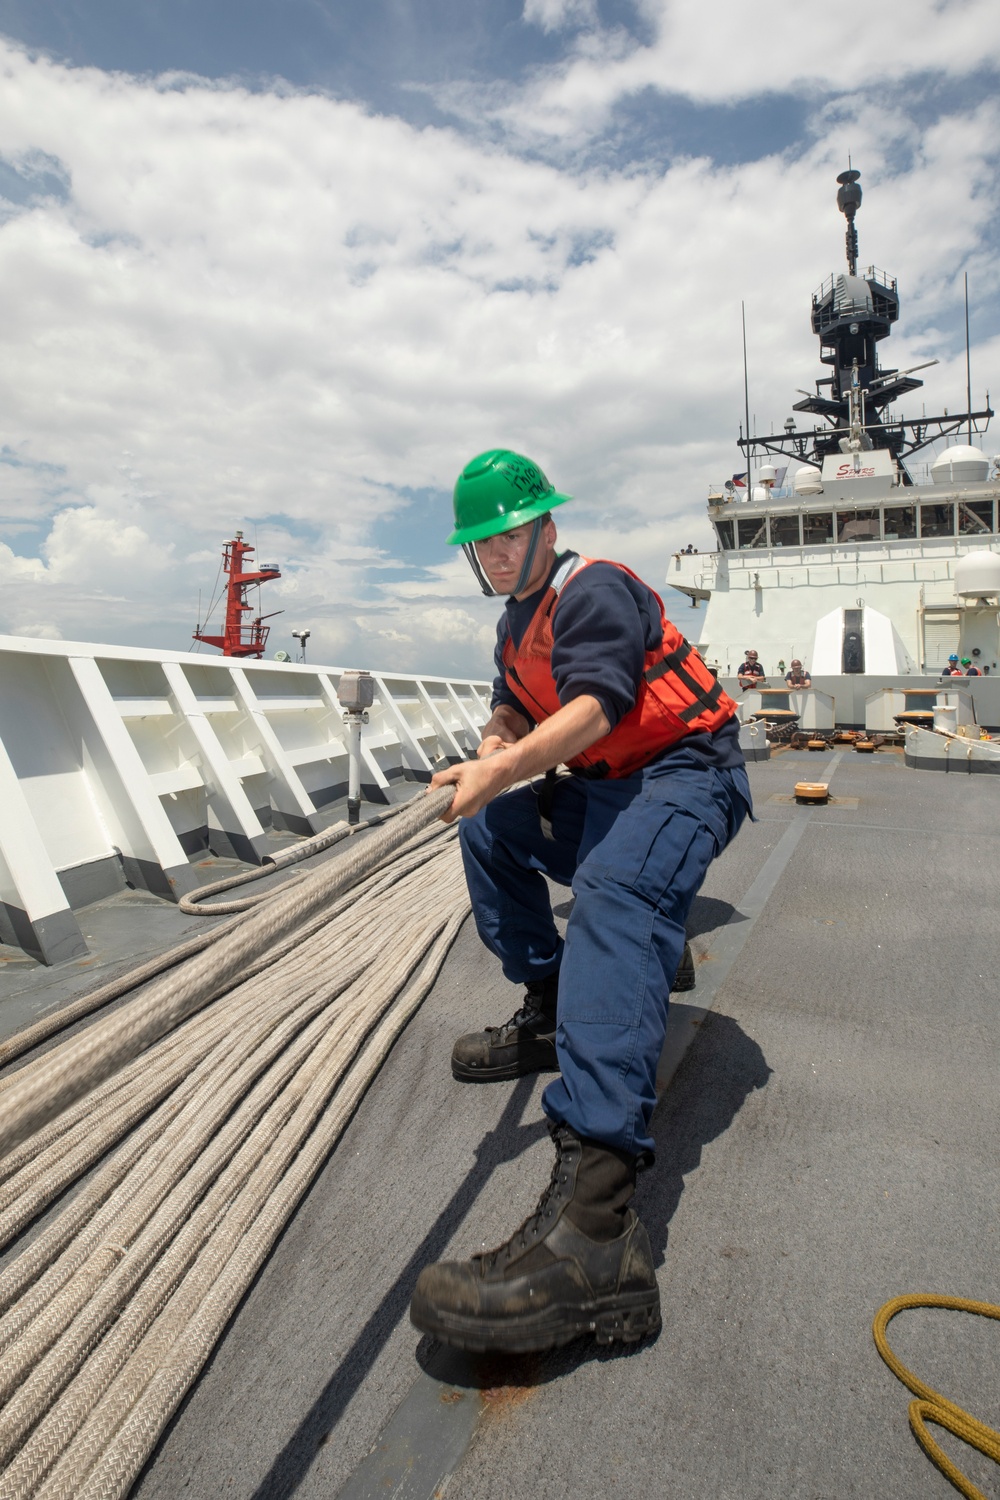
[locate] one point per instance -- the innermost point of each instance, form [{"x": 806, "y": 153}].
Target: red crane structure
[{"x": 242, "y": 637}]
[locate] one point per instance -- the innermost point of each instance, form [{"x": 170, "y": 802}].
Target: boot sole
[
  {"x": 682, "y": 983},
  {"x": 465, "y": 1073},
  {"x": 624, "y": 1319}
]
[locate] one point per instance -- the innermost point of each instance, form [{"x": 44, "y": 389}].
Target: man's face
[
  {"x": 502, "y": 557},
  {"x": 752, "y": 657},
  {"x": 796, "y": 666}
]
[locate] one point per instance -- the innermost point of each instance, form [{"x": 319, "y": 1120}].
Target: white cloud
[
  {"x": 276, "y": 306},
  {"x": 555, "y": 15},
  {"x": 726, "y": 51}
]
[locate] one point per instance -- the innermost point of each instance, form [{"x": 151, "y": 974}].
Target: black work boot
[
  {"x": 580, "y": 1264},
  {"x": 684, "y": 978},
  {"x": 524, "y": 1044}
]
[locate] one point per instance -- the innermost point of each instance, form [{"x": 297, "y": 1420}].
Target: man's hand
[
  {"x": 491, "y": 744},
  {"x": 505, "y": 726},
  {"x": 476, "y": 782},
  {"x": 566, "y": 734}
]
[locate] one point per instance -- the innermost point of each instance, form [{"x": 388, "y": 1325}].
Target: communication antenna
[
  {"x": 968, "y": 361},
  {"x": 746, "y": 401}
]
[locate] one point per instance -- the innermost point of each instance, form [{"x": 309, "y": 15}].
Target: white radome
[
  {"x": 961, "y": 464},
  {"x": 977, "y": 575},
  {"x": 808, "y": 481}
]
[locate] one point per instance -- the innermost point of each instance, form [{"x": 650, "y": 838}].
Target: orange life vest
[{"x": 677, "y": 693}]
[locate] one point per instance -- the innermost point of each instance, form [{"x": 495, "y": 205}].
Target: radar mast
[{"x": 851, "y": 315}]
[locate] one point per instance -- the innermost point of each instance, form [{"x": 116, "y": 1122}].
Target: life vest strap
[{"x": 705, "y": 698}]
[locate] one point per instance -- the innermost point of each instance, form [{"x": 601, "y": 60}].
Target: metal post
[{"x": 354, "y": 722}]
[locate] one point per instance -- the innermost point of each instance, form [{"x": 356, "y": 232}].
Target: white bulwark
[{"x": 118, "y": 766}]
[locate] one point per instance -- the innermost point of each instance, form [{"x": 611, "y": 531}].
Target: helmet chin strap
[
  {"x": 529, "y": 562},
  {"x": 470, "y": 551}
]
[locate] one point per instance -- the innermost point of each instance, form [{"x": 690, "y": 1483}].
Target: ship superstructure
[{"x": 838, "y": 551}]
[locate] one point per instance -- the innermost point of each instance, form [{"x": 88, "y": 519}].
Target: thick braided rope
[
  {"x": 153, "y": 1226},
  {"x": 199, "y": 1034},
  {"x": 71, "y": 1071},
  {"x": 183, "y": 1344},
  {"x": 214, "y": 1231},
  {"x": 32, "y": 1036},
  {"x": 199, "y": 1132}
]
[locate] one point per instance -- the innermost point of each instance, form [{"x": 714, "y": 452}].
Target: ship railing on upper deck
[{"x": 870, "y": 273}]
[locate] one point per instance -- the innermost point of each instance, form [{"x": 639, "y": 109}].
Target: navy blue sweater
[{"x": 603, "y": 626}]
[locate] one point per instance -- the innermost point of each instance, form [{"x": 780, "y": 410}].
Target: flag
[
  {"x": 779, "y": 477},
  {"x": 740, "y": 479}
]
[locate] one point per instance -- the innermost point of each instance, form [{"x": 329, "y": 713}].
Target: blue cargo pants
[{"x": 635, "y": 852}]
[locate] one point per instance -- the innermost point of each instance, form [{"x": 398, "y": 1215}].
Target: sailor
[
  {"x": 968, "y": 669},
  {"x": 750, "y": 673},
  {"x": 797, "y": 676},
  {"x": 953, "y": 669},
  {"x": 590, "y": 674}
]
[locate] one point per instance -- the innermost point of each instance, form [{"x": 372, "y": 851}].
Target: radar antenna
[{"x": 849, "y": 201}]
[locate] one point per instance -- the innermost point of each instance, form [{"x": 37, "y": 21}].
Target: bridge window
[
  {"x": 858, "y": 526},
  {"x": 725, "y": 530},
  {"x": 751, "y": 531},
  {"x": 817, "y": 526},
  {"x": 900, "y": 522},
  {"x": 785, "y": 531},
  {"x": 937, "y": 520},
  {"x": 975, "y": 517}
]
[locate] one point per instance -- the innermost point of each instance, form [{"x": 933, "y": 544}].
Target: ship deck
[{"x": 828, "y": 1137}]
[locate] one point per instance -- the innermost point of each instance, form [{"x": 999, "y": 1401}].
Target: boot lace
[
  {"x": 562, "y": 1139},
  {"x": 530, "y": 1013}
]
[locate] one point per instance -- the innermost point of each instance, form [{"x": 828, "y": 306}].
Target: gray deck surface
[{"x": 830, "y": 1139}]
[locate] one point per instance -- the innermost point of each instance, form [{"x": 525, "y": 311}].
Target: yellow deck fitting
[{"x": 812, "y": 791}]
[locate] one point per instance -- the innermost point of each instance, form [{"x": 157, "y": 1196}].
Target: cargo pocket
[{"x": 659, "y": 853}]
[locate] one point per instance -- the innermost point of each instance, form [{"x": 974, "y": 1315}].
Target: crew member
[
  {"x": 969, "y": 669},
  {"x": 797, "y": 676},
  {"x": 591, "y": 675},
  {"x": 750, "y": 673},
  {"x": 953, "y": 669}
]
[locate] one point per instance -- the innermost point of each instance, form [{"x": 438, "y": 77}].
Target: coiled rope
[
  {"x": 928, "y": 1405},
  {"x": 201, "y": 1109}
]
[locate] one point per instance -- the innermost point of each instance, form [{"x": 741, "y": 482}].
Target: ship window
[
  {"x": 725, "y": 530},
  {"x": 975, "y": 517},
  {"x": 817, "y": 526},
  {"x": 900, "y": 522},
  {"x": 857, "y": 526},
  {"x": 752, "y": 531},
  {"x": 937, "y": 520},
  {"x": 784, "y": 531}
]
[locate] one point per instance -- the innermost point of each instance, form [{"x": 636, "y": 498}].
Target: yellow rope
[{"x": 929, "y": 1405}]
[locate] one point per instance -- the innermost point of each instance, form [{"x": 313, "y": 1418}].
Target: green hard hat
[
  {"x": 497, "y": 491},
  {"x": 966, "y": 661}
]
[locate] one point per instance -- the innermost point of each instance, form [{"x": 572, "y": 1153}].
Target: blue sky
[{"x": 290, "y": 264}]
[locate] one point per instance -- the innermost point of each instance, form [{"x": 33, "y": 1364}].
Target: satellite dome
[
  {"x": 767, "y": 473},
  {"x": 808, "y": 481},
  {"x": 977, "y": 575},
  {"x": 961, "y": 464}
]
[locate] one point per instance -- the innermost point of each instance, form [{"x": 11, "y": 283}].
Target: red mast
[{"x": 241, "y": 638}]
